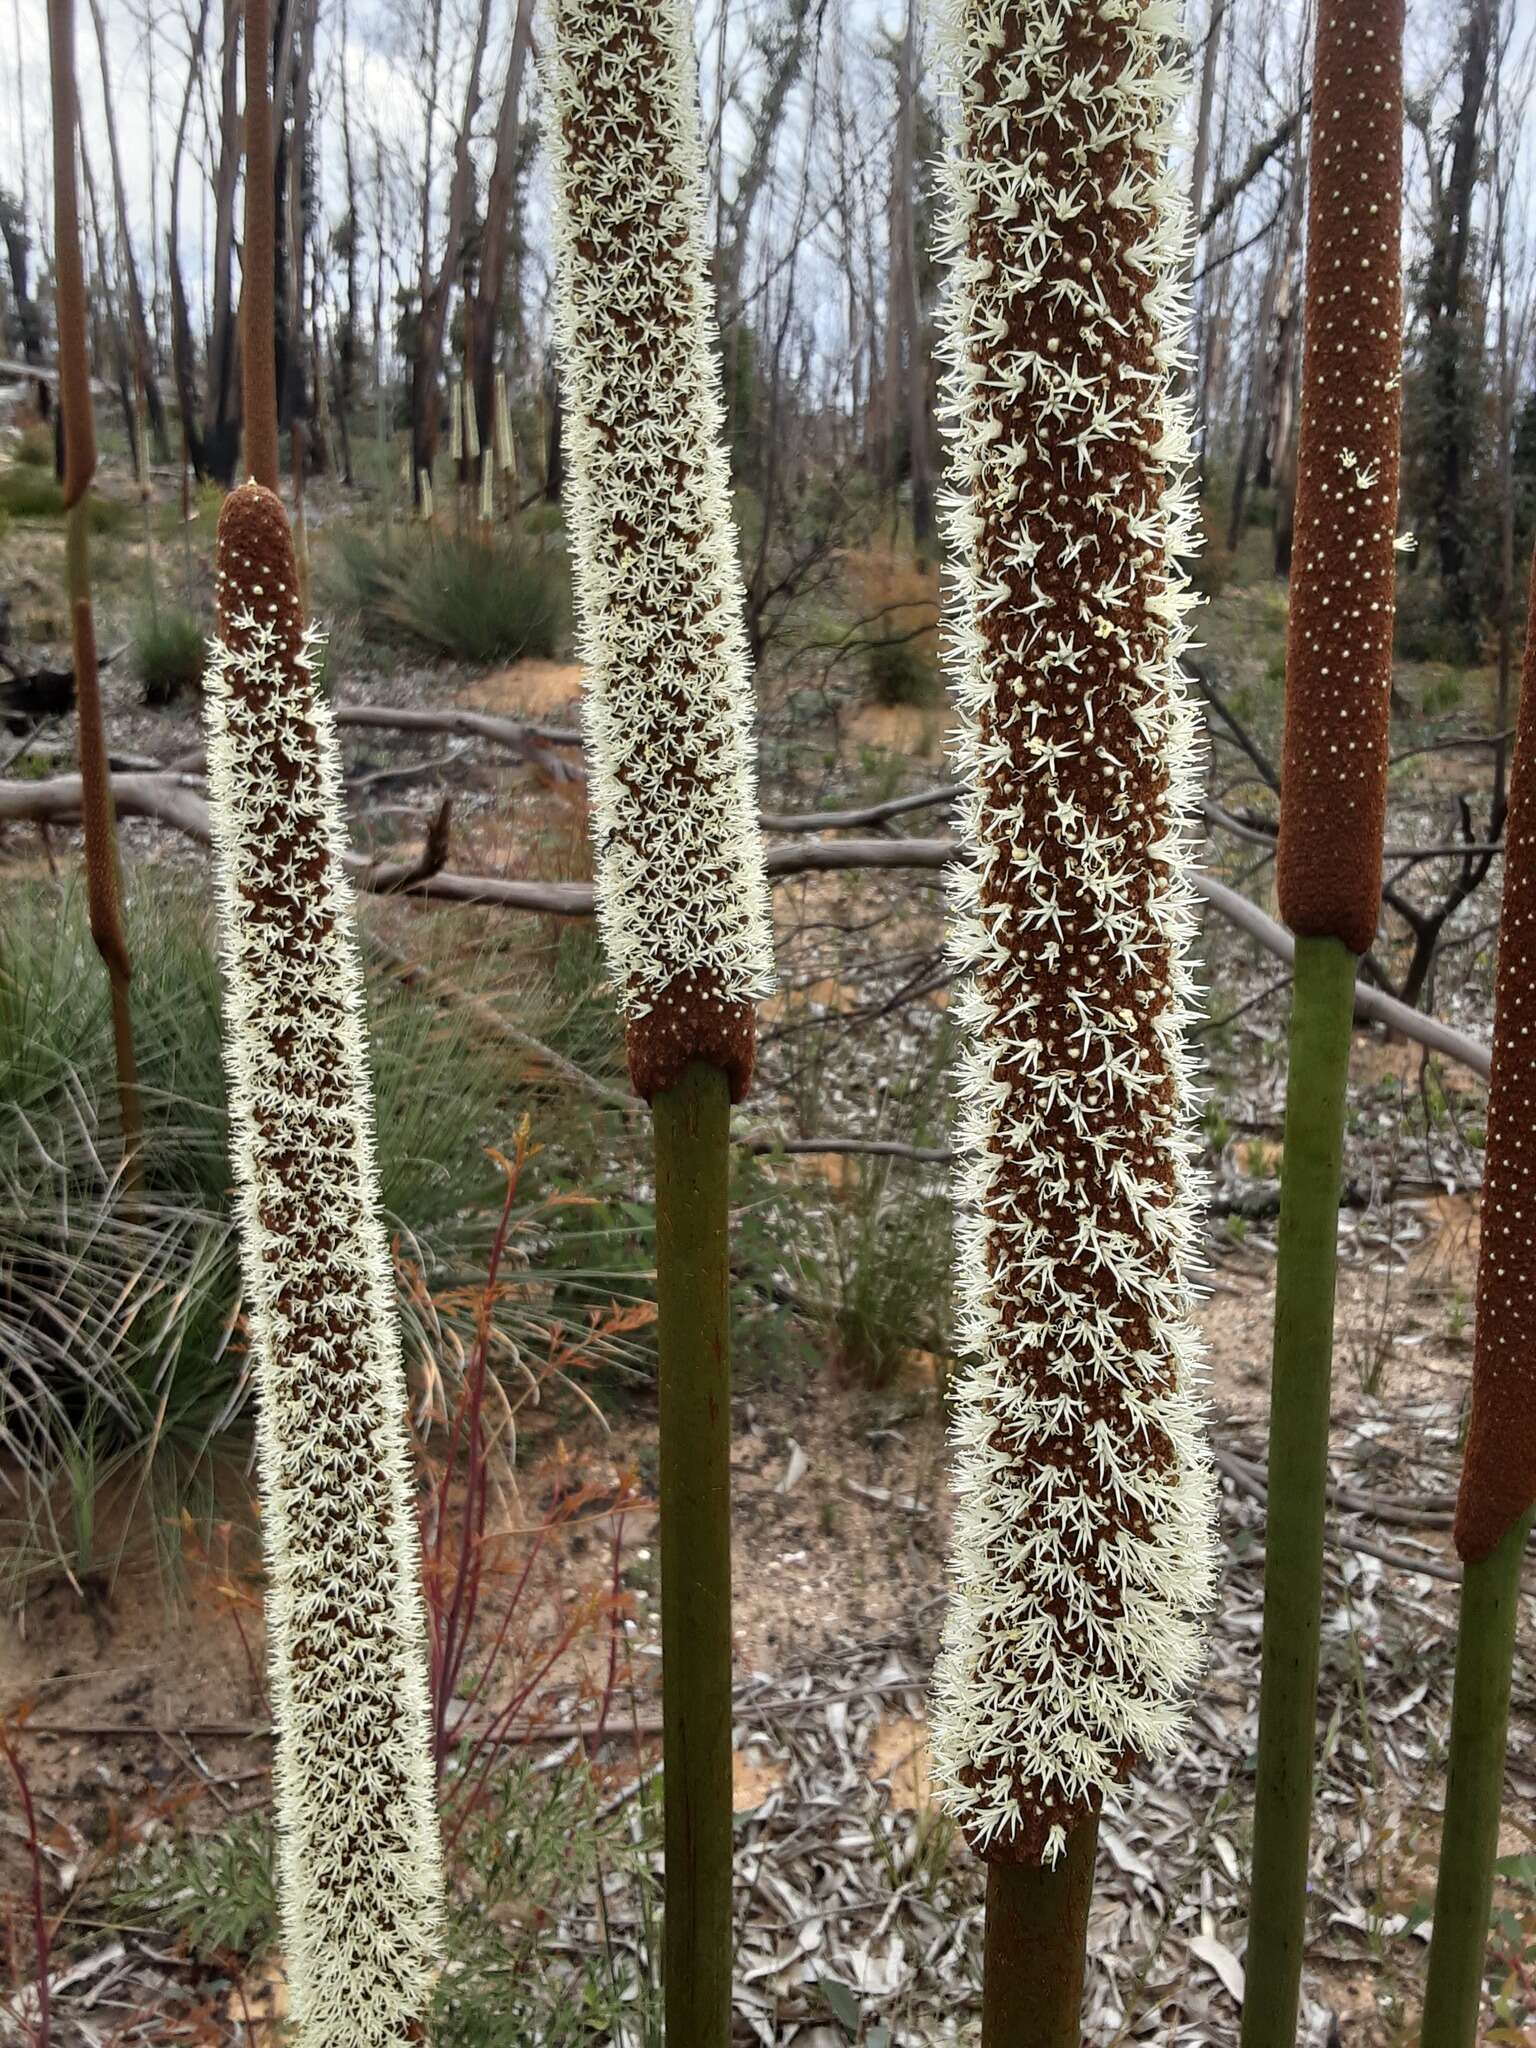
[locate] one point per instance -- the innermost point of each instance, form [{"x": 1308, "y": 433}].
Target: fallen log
[{"x": 174, "y": 801}]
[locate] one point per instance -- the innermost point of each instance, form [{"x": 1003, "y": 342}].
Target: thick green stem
[
  {"x": 1321, "y": 1019},
  {"x": 693, "y": 1340},
  {"x": 1036, "y": 1942},
  {"x": 1485, "y": 1648}
]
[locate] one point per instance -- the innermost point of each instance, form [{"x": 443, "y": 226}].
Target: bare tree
[{"x": 138, "y": 325}]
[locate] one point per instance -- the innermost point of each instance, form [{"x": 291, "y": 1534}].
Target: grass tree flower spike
[
  {"x": 1333, "y": 805},
  {"x": 682, "y": 894},
  {"x": 1083, "y": 1546},
  {"x": 1498, "y": 1479},
  {"x": 359, "y": 1877}
]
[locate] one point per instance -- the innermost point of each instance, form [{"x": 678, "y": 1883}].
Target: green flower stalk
[
  {"x": 1083, "y": 1548},
  {"x": 1498, "y": 1479},
  {"x": 359, "y": 1878},
  {"x": 103, "y": 878},
  {"x": 682, "y": 894},
  {"x": 1332, "y": 812}
]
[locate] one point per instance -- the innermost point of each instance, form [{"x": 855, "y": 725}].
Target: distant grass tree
[
  {"x": 1083, "y": 1543},
  {"x": 683, "y": 899},
  {"x": 1338, "y": 679}
]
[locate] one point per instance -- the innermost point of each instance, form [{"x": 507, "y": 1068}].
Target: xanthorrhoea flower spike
[
  {"x": 682, "y": 897},
  {"x": 1338, "y": 675},
  {"x": 1498, "y": 1477},
  {"x": 360, "y": 1883},
  {"x": 1083, "y": 1548},
  {"x": 1338, "y": 652}
]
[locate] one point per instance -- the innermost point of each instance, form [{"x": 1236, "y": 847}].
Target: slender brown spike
[
  {"x": 98, "y": 816},
  {"x": 68, "y": 270},
  {"x": 258, "y": 343},
  {"x": 1498, "y": 1475},
  {"x": 1339, "y": 642}
]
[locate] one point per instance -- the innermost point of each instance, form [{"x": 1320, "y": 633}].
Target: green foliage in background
[
  {"x": 170, "y": 651},
  {"x": 474, "y": 600},
  {"x": 28, "y": 491},
  {"x": 119, "y": 1339}
]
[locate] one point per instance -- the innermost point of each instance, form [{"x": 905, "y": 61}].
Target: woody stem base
[
  {"x": 1035, "y": 1946},
  {"x": 692, "y": 1127},
  {"x": 1322, "y": 1017},
  {"x": 1485, "y": 1647}
]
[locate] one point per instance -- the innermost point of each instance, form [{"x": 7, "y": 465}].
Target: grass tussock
[
  {"x": 471, "y": 599},
  {"x": 170, "y": 652},
  {"x": 30, "y": 492},
  {"x": 121, "y": 1339}
]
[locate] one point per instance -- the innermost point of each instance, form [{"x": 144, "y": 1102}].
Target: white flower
[
  {"x": 1083, "y": 1544},
  {"x": 682, "y": 895},
  {"x": 360, "y": 1883}
]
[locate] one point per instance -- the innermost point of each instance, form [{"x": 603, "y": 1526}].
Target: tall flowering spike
[
  {"x": 1498, "y": 1477},
  {"x": 1338, "y": 677},
  {"x": 360, "y": 1879},
  {"x": 681, "y": 889},
  {"x": 1083, "y": 1543}
]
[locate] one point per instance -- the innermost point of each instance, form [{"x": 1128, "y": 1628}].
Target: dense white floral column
[
  {"x": 360, "y": 1883},
  {"x": 682, "y": 895},
  {"x": 1083, "y": 1548}
]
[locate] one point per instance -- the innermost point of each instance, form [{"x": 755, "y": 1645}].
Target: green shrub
[
  {"x": 1424, "y": 629},
  {"x": 542, "y": 1847},
  {"x": 118, "y": 1337},
  {"x": 888, "y": 1269},
  {"x": 35, "y": 447},
  {"x": 27, "y": 492},
  {"x": 170, "y": 651},
  {"x": 475, "y": 600},
  {"x": 897, "y": 672}
]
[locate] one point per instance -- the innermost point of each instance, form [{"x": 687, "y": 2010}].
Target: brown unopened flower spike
[
  {"x": 1498, "y": 1477},
  {"x": 1338, "y": 672}
]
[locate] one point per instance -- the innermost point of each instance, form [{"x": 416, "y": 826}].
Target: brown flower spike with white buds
[
  {"x": 360, "y": 1885},
  {"x": 668, "y": 705}
]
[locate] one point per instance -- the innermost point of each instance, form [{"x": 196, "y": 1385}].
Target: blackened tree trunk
[
  {"x": 221, "y": 433},
  {"x": 182, "y": 366},
  {"x": 1450, "y": 343},
  {"x": 138, "y": 325},
  {"x": 496, "y": 239}
]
